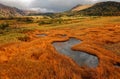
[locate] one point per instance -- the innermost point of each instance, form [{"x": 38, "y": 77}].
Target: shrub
[
  {"x": 1, "y": 31},
  {"x": 26, "y": 19},
  {"x": 3, "y": 26},
  {"x": 45, "y": 22},
  {"x": 51, "y": 21},
  {"x": 25, "y": 38}
]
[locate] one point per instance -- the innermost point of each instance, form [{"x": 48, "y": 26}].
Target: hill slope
[
  {"x": 7, "y": 11},
  {"x": 108, "y": 8},
  {"x": 103, "y": 8},
  {"x": 80, "y": 7}
]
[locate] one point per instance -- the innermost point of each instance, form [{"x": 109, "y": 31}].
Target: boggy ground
[{"x": 38, "y": 59}]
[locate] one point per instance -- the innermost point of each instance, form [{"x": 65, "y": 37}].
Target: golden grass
[{"x": 38, "y": 59}]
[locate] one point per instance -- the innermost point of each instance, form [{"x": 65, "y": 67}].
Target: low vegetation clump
[
  {"x": 10, "y": 34},
  {"x": 24, "y": 38},
  {"x": 3, "y": 26},
  {"x": 58, "y": 21},
  {"x": 25, "y": 19},
  {"x": 51, "y": 21}
]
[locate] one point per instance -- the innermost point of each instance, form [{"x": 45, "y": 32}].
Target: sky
[{"x": 48, "y": 5}]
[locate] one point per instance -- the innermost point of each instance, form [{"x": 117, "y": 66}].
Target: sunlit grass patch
[
  {"x": 116, "y": 20},
  {"x": 12, "y": 37}
]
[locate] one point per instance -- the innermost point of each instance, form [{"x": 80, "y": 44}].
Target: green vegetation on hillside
[{"x": 108, "y": 8}]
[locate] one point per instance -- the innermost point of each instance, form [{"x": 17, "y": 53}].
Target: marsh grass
[
  {"x": 114, "y": 47},
  {"x": 14, "y": 35},
  {"x": 19, "y": 28},
  {"x": 39, "y": 60},
  {"x": 8, "y": 38}
]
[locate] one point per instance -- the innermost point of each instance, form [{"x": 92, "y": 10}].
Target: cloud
[
  {"x": 61, "y": 5},
  {"x": 44, "y": 10},
  {"x": 22, "y": 4},
  {"x": 56, "y": 5},
  {"x": 48, "y": 5}
]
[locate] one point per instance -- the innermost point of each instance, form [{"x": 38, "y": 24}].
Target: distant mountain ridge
[
  {"x": 103, "y": 9},
  {"x": 7, "y": 11},
  {"x": 107, "y": 8}
]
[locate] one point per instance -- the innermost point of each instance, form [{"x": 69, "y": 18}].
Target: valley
[
  {"x": 66, "y": 45},
  {"x": 26, "y": 53}
]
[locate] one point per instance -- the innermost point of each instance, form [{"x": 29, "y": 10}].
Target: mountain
[
  {"x": 7, "y": 11},
  {"x": 80, "y": 7},
  {"x": 109, "y": 8}
]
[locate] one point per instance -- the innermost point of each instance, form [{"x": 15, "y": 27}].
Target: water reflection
[{"x": 82, "y": 58}]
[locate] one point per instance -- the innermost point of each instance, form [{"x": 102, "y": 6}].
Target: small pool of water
[
  {"x": 61, "y": 35},
  {"x": 81, "y": 58},
  {"x": 41, "y": 35},
  {"x": 117, "y": 65}
]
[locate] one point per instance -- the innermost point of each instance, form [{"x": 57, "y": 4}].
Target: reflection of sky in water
[{"x": 81, "y": 58}]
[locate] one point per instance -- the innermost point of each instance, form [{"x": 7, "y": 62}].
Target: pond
[
  {"x": 62, "y": 35},
  {"x": 41, "y": 35},
  {"x": 117, "y": 65},
  {"x": 81, "y": 58}
]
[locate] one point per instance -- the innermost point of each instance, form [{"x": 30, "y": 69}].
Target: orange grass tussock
[{"x": 38, "y": 59}]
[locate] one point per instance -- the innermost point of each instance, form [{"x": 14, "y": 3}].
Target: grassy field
[
  {"x": 24, "y": 55},
  {"x": 17, "y": 26}
]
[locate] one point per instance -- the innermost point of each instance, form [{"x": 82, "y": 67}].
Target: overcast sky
[{"x": 48, "y": 5}]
